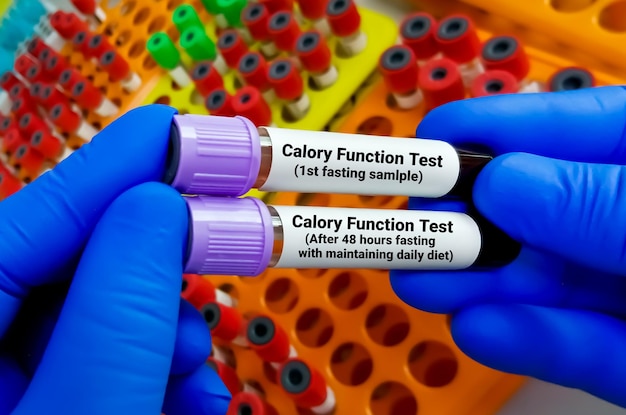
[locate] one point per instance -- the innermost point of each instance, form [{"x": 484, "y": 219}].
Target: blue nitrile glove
[
  {"x": 558, "y": 187},
  {"x": 123, "y": 343}
]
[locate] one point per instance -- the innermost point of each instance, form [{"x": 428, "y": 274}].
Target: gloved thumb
[
  {"x": 111, "y": 350},
  {"x": 574, "y": 210}
]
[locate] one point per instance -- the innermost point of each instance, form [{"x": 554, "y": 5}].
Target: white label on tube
[
  {"x": 326, "y": 162},
  {"x": 376, "y": 238}
]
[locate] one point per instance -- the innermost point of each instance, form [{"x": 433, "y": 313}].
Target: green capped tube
[
  {"x": 186, "y": 17},
  {"x": 198, "y": 45},
  {"x": 231, "y": 9},
  {"x": 166, "y": 55}
]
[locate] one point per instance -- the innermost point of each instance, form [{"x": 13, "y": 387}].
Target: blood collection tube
[
  {"x": 254, "y": 72},
  {"x": 275, "y": 6},
  {"x": 227, "y": 374},
  {"x": 54, "y": 66},
  {"x": 220, "y": 102},
  {"x": 8, "y": 80},
  {"x": 398, "y": 66},
  {"x": 441, "y": 82},
  {"x": 69, "y": 77},
  {"x": 185, "y": 17},
  {"x": 75, "y": 24},
  {"x": 27, "y": 159},
  {"x": 284, "y": 30},
  {"x": 11, "y": 140},
  {"x": 98, "y": 45},
  {"x": 60, "y": 24},
  {"x": 232, "y": 47},
  {"x": 21, "y": 106},
  {"x": 23, "y": 63},
  {"x": 225, "y": 322},
  {"x": 418, "y": 31},
  {"x": 36, "y": 46},
  {"x": 306, "y": 386},
  {"x": 494, "y": 82},
  {"x": 244, "y": 236},
  {"x": 250, "y": 103},
  {"x": 269, "y": 341},
  {"x": 345, "y": 23},
  {"x": 249, "y": 403},
  {"x": 67, "y": 120},
  {"x": 46, "y": 144},
  {"x": 571, "y": 78},
  {"x": 202, "y": 48},
  {"x": 316, "y": 57},
  {"x": 91, "y": 9},
  {"x": 9, "y": 184},
  {"x": 200, "y": 291},
  {"x": 315, "y": 11},
  {"x": 268, "y": 159},
  {"x": 88, "y": 97},
  {"x": 256, "y": 18},
  {"x": 206, "y": 78},
  {"x": 166, "y": 55},
  {"x": 289, "y": 86},
  {"x": 19, "y": 91},
  {"x": 119, "y": 70},
  {"x": 458, "y": 41},
  {"x": 30, "y": 122},
  {"x": 49, "y": 96},
  {"x": 80, "y": 42},
  {"x": 36, "y": 74}
]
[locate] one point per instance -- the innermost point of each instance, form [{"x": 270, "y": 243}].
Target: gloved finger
[
  {"x": 573, "y": 348},
  {"x": 13, "y": 383},
  {"x": 574, "y": 210},
  {"x": 584, "y": 125},
  {"x": 46, "y": 224},
  {"x": 193, "y": 340},
  {"x": 200, "y": 392},
  {"x": 112, "y": 347}
]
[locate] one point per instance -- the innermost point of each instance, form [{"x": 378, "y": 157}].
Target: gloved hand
[
  {"x": 558, "y": 186},
  {"x": 119, "y": 340}
]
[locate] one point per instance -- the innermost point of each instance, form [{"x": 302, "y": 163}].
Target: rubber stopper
[
  {"x": 185, "y": 17},
  {"x": 98, "y": 46},
  {"x": 285, "y": 79},
  {"x": 418, "y": 31},
  {"x": 399, "y": 69},
  {"x": 313, "y": 52},
  {"x": 22, "y": 106},
  {"x": 256, "y": 18},
  {"x": 87, "y": 95},
  {"x": 343, "y": 17},
  {"x": 80, "y": 42},
  {"x": 69, "y": 77},
  {"x": 163, "y": 50},
  {"x": 198, "y": 45},
  {"x": 55, "y": 66},
  {"x": 115, "y": 65},
  {"x": 51, "y": 96},
  {"x": 63, "y": 117},
  {"x": 458, "y": 39},
  {"x": 441, "y": 82},
  {"x": 12, "y": 140},
  {"x": 254, "y": 71},
  {"x": 197, "y": 290},
  {"x": 305, "y": 384},
  {"x": 29, "y": 123},
  {"x": 59, "y": 23},
  {"x": 23, "y": 63},
  {"x": 206, "y": 78},
  {"x": 267, "y": 339},
  {"x": 494, "y": 82},
  {"x": 224, "y": 322},
  {"x": 46, "y": 144},
  {"x": 220, "y": 103},
  {"x": 570, "y": 79},
  {"x": 232, "y": 47},
  {"x": 8, "y": 80},
  {"x": 249, "y": 103},
  {"x": 284, "y": 30},
  {"x": 506, "y": 53},
  {"x": 36, "y": 46}
]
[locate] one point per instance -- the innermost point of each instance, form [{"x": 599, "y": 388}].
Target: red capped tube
[
  {"x": 275, "y": 6},
  {"x": 253, "y": 69},
  {"x": 570, "y": 79},
  {"x": 6, "y": 123},
  {"x": 30, "y": 122},
  {"x": 224, "y": 322},
  {"x": 23, "y": 63},
  {"x": 50, "y": 96},
  {"x": 197, "y": 290},
  {"x": 256, "y": 19},
  {"x": 418, "y": 31},
  {"x": 306, "y": 386},
  {"x": 80, "y": 42},
  {"x": 284, "y": 30},
  {"x": 220, "y": 103},
  {"x": 60, "y": 24},
  {"x": 206, "y": 78},
  {"x": 8, "y": 80},
  {"x": 249, "y": 103},
  {"x": 285, "y": 79},
  {"x": 494, "y": 82},
  {"x": 119, "y": 70},
  {"x": 28, "y": 159},
  {"x": 46, "y": 144},
  {"x": 69, "y": 77},
  {"x": 458, "y": 39},
  {"x": 268, "y": 340},
  {"x": 344, "y": 20},
  {"x": 441, "y": 82},
  {"x": 12, "y": 140},
  {"x": 36, "y": 46},
  {"x": 232, "y": 47},
  {"x": 227, "y": 374},
  {"x": 316, "y": 58},
  {"x": 313, "y": 9},
  {"x": 36, "y": 74},
  {"x": 398, "y": 66},
  {"x": 20, "y": 91},
  {"x": 90, "y": 8},
  {"x": 22, "y": 106},
  {"x": 75, "y": 24},
  {"x": 55, "y": 66},
  {"x": 98, "y": 45},
  {"x": 9, "y": 184},
  {"x": 67, "y": 120},
  {"x": 247, "y": 403},
  {"x": 506, "y": 53},
  {"x": 91, "y": 98}
]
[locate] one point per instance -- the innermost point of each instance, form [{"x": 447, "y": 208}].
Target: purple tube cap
[
  {"x": 228, "y": 236},
  {"x": 212, "y": 155}
]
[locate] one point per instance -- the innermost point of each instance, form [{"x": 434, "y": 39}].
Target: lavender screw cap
[
  {"x": 228, "y": 236},
  {"x": 211, "y": 155}
]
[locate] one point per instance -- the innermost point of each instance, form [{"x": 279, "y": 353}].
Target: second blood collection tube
[
  {"x": 229, "y": 156},
  {"x": 307, "y": 387}
]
